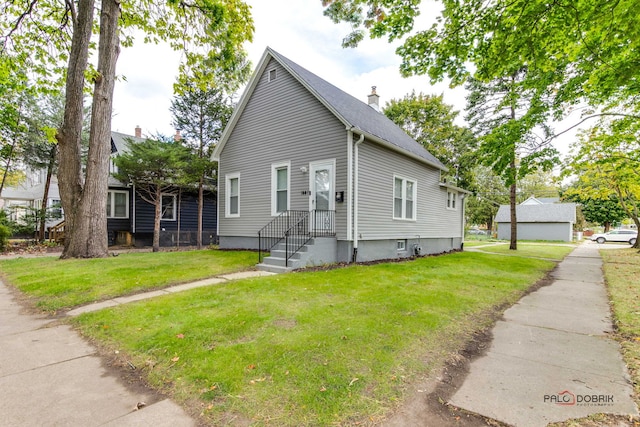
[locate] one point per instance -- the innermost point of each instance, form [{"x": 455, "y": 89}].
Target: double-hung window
[
  {"x": 280, "y": 188},
  {"x": 117, "y": 204},
  {"x": 168, "y": 207},
  {"x": 452, "y": 197},
  {"x": 232, "y": 195},
  {"x": 404, "y": 198}
]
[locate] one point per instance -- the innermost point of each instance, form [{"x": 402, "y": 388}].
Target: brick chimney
[
  {"x": 374, "y": 99},
  {"x": 177, "y": 137},
  {"x": 138, "y": 132}
]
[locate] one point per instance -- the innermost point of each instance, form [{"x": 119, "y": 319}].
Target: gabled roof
[
  {"x": 540, "y": 200},
  {"x": 119, "y": 142},
  {"x": 353, "y": 113},
  {"x": 549, "y": 212}
]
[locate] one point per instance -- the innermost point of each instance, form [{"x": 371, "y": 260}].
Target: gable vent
[{"x": 273, "y": 75}]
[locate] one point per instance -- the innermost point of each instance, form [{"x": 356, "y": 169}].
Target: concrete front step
[
  {"x": 317, "y": 251},
  {"x": 282, "y": 254},
  {"x": 273, "y": 268},
  {"x": 281, "y": 262}
]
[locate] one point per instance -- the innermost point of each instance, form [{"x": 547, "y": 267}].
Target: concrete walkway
[
  {"x": 170, "y": 290},
  {"x": 551, "y": 359},
  {"x": 50, "y": 376}
]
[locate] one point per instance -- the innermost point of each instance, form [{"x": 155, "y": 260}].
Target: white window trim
[
  {"x": 401, "y": 245},
  {"x": 273, "y": 74},
  {"x": 274, "y": 186},
  {"x": 227, "y": 195},
  {"x": 453, "y": 194},
  {"x": 175, "y": 207},
  {"x": 404, "y": 199},
  {"x": 113, "y": 205}
]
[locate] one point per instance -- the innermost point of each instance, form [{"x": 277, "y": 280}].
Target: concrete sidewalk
[
  {"x": 551, "y": 359},
  {"x": 50, "y": 376}
]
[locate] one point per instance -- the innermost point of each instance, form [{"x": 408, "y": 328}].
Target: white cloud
[{"x": 296, "y": 29}]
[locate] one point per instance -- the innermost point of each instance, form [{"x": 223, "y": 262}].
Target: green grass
[
  {"x": 54, "y": 284},
  {"x": 538, "y": 250},
  {"x": 312, "y": 348},
  {"x": 476, "y": 243},
  {"x": 622, "y": 270}
]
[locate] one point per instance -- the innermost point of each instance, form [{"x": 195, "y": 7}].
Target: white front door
[{"x": 322, "y": 200}]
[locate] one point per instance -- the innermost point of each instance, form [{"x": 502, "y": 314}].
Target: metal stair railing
[
  {"x": 302, "y": 227},
  {"x": 275, "y": 232}
]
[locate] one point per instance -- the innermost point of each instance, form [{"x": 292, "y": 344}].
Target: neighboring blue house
[
  {"x": 538, "y": 219},
  {"x": 311, "y": 175},
  {"x": 130, "y": 219}
]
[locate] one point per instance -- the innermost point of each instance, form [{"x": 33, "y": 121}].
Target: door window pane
[{"x": 322, "y": 188}]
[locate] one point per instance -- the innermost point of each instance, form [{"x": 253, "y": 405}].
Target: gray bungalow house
[
  {"x": 314, "y": 176},
  {"x": 538, "y": 219}
]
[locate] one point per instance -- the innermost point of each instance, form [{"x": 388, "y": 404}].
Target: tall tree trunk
[
  {"x": 512, "y": 191},
  {"x": 200, "y": 210},
  {"x": 514, "y": 220},
  {"x": 70, "y": 134},
  {"x": 45, "y": 196},
  {"x": 87, "y": 237},
  {"x": 156, "y": 220}
]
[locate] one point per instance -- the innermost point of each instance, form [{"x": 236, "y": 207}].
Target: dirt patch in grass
[
  {"x": 428, "y": 404},
  {"x": 130, "y": 376}
]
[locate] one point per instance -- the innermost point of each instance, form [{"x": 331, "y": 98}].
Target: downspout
[
  {"x": 133, "y": 197},
  {"x": 349, "y": 185},
  {"x": 355, "y": 197},
  {"x": 179, "y": 216},
  {"x": 464, "y": 203}
]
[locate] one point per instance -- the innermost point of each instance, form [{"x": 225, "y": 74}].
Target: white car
[{"x": 628, "y": 236}]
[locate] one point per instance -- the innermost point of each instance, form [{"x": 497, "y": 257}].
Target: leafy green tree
[
  {"x": 506, "y": 115},
  {"x": 599, "y": 211},
  {"x": 606, "y": 160},
  {"x": 201, "y": 109},
  {"x": 40, "y": 148},
  {"x": 482, "y": 206},
  {"x": 539, "y": 183},
  {"x": 587, "y": 48},
  {"x": 431, "y": 122},
  {"x": 14, "y": 98},
  {"x": 54, "y": 40},
  {"x": 155, "y": 168}
]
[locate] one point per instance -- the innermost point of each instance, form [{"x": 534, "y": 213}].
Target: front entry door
[{"x": 322, "y": 188}]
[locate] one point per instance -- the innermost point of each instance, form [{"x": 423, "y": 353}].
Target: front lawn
[
  {"x": 314, "y": 348},
  {"x": 622, "y": 270},
  {"x": 538, "y": 250},
  {"x": 54, "y": 284}
]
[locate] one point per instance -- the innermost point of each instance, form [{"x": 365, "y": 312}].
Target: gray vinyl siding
[
  {"x": 538, "y": 231},
  {"x": 378, "y": 167},
  {"x": 282, "y": 122}
]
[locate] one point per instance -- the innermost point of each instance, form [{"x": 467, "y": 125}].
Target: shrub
[{"x": 5, "y": 233}]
